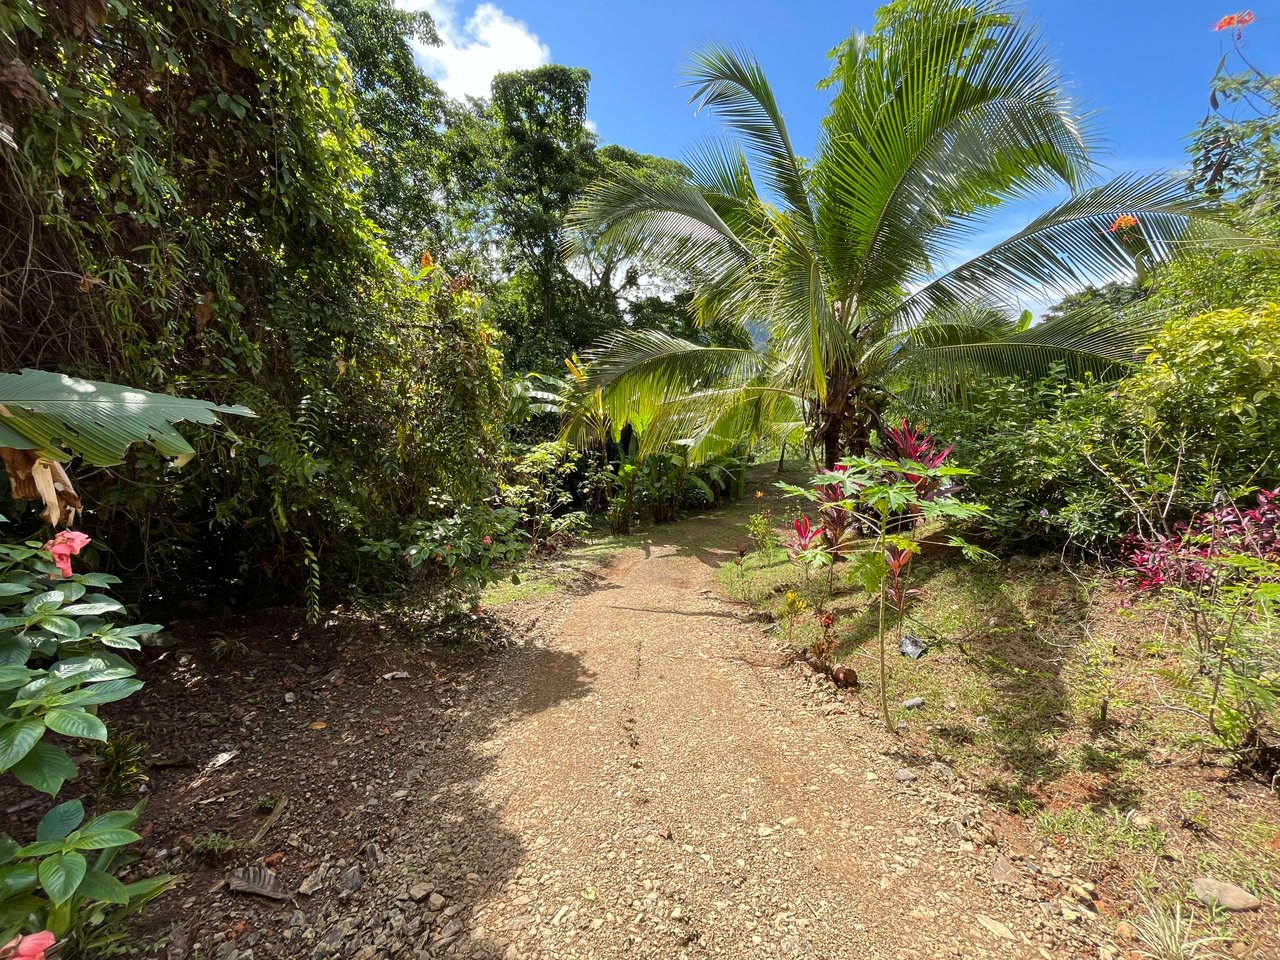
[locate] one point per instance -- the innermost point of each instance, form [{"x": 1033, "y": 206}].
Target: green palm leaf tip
[
  {"x": 62, "y": 416},
  {"x": 852, "y": 260}
]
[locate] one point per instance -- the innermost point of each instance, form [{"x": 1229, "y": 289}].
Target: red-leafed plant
[
  {"x": 1222, "y": 571},
  {"x": 913, "y": 445},
  {"x": 1192, "y": 555},
  {"x": 803, "y": 536}
]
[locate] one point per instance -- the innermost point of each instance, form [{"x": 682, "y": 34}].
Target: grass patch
[{"x": 1101, "y": 835}]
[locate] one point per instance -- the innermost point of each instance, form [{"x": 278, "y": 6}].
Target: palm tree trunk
[{"x": 831, "y": 445}]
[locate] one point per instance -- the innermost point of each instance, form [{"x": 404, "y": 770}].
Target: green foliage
[
  {"x": 1203, "y": 281},
  {"x": 1210, "y": 388},
  {"x": 538, "y": 486},
  {"x": 1236, "y": 149},
  {"x": 190, "y": 184},
  {"x": 213, "y": 845},
  {"x": 761, "y": 533},
  {"x": 117, "y": 768},
  {"x": 1088, "y": 463},
  {"x": 404, "y": 112},
  {"x": 56, "y": 668},
  {"x": 453, "y": 552},
  {"x": 888, "y": 501},
  {"x": 60, "y": 417},
  {"x": 1042, "y": 454}
]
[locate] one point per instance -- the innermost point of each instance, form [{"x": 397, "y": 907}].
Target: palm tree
[{"x": 943, "y": 114}]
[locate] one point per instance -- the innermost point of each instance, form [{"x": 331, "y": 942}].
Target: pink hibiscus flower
[
  {"x": 29, "y": 947},
  {"x": 64, "y": 546}
]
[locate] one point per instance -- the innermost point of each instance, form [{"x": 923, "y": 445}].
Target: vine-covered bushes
[{"x": 184, "y": 182}]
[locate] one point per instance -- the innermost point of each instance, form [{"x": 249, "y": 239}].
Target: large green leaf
[
  {"x": 98, "y": 885},
  {"x": 46, "y": 768},
  {"x": 62, "y": 416},
  {"x": 60, "y": 875},
  {"x": 60, "y": 821},
  {"x": 76, "y": 723},
  {"x": 17, "y": 879},
  {"x": 17, "y": 739}
]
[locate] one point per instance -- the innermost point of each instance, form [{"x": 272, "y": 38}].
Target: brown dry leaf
[
  {"x": 84, "y": 17},
  {"x": 33, "y": 477}
]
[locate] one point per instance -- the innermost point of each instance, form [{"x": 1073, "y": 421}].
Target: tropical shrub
[
  {"x": 1038, "y": 452},
  {"x": 57, "y": 666},
  {"x": 1080, "y": 461},
  {"x": 538, "y": 482},
  {"x": 1209, "y": 391},
  {"x": 461, "y": 548}
]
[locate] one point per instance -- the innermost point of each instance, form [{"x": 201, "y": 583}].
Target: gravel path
[{"x": 647, "y": 777}]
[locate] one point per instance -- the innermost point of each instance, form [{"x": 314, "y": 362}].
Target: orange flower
[
  {"x": 1238, "y": 21},
  {"x": 1123, "y": 222}
]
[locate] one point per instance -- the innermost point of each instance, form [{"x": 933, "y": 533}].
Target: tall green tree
[
  {"x": 853, "y": 261},
  {"x": 543, "y": 161},
  {"x": 404, "y": 113}
]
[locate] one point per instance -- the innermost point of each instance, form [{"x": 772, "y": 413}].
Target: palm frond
[
  {"x": 1074, "y": 243},
  {"x": 954, "y": 115},
  {"x": 669, "y": 222},
  {"x": 638, "y": 371},
  {"x": 731, "y": 84},
  {"x": 1090, "y": 340},
  {"x": 718, "y": 421}
]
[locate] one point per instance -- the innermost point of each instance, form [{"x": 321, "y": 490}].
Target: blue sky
[{"x": 1143, "y": 65}]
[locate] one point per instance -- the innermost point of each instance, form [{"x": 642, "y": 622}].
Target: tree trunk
[{"x": 831, "y": 445}]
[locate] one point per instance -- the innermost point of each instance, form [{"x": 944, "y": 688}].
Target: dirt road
[{"x": 649, "y": 779}]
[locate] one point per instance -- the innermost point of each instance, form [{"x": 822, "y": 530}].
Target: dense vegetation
[{"x": 444, "y": 336}]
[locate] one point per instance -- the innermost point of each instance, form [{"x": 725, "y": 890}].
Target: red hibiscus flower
[{"x": 64, "y": 546}]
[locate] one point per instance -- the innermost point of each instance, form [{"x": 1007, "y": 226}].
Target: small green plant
[
  {"x": 117, "y": 770},
  {"x": 229, "y": 648},
  {"x": 794, "y": 607},
  {"x": 1165, "y": 933},
  {"x": 213, "y": 845},
  {"x": 891, "y": 499},
  {"x": 741, "y": 575},
  {"x": 1102, "y": 835},
  {"x": 761, "y": 534},
  {"x": 267, "y": 802}
]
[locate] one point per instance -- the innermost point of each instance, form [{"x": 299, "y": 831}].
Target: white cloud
[{"x": 485, "y": 43}]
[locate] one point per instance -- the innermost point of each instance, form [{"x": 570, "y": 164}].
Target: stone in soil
[{"x": 1228, "y": 896}]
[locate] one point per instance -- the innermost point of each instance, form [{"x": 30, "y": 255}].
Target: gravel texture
[{"x": 646, "y": 775}]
